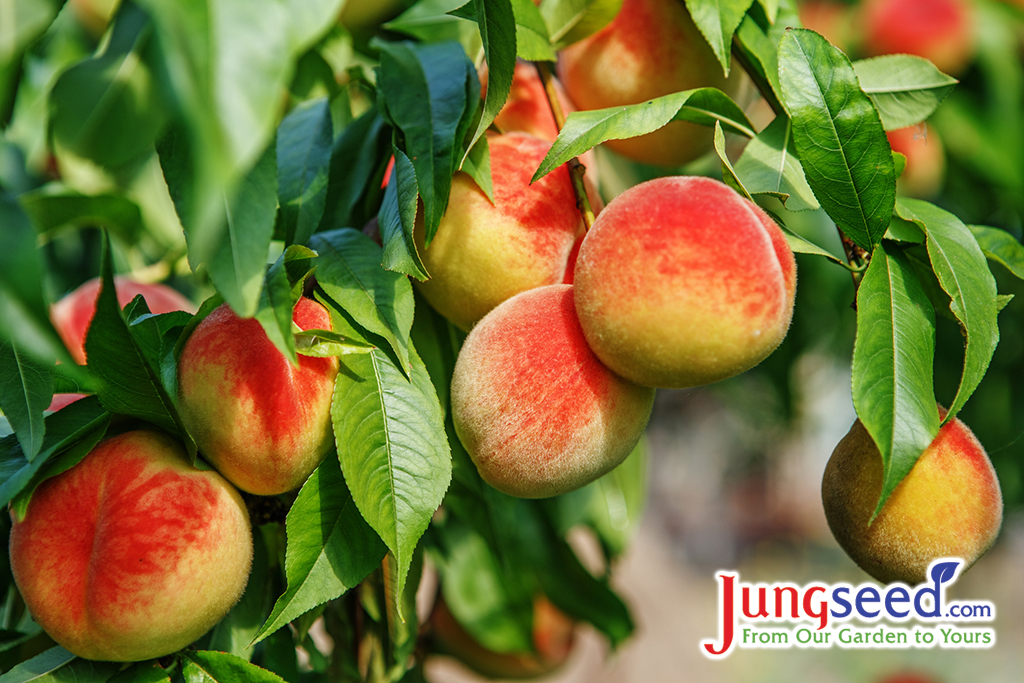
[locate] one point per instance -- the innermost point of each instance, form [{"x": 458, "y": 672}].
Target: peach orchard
[{"x": 300, "y": 297}]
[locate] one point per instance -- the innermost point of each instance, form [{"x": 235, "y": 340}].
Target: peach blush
[
  {"x": 133, "y": 553},
  {"x": 682, "y": 282},
  {"x": 535, "y": 409},
  {"x": 262, "y": 422}
]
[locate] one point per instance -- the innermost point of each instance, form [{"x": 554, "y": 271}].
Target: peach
[
  {"x": 652, "y": 48},
  {"x": 926, "y": 162},
  {"x": 536, "y": 410},
  {"x": 553, "y": 636},
  {"x": 681, "y": 282},
  {"x": 264, "y": 423},
  {"x": 133, "y": 553},
  {"x": 73, "y": 314},
  {"x": 938, "y": 30},
  {"x": 949, "y": 505},
  {"x": 485, "y": 253}
]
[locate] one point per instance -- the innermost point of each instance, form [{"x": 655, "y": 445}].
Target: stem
[
  {"x": 857, "y": 258},
  {"x": 576, "y": 169}
]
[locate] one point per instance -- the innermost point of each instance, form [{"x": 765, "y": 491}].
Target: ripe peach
[
  {"x": 264, "y": 423},
  {"x": 553, "y": 636},
  {"x": 926, "y": 163},
  {"x": 938, "y": 30},
  {"x": 484, "y": 253},
  {"x": 72, "y": 315},
  {"x": 651, "y": 48},
  {"x": 949, "y": 505},
  {"x": 536, "y": 410},
  {"x": 681, "y": 281},
  {"x": 133, "y": 553}
]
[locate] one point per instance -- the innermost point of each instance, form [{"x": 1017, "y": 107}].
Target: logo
[{"x": 818, "y": 615}]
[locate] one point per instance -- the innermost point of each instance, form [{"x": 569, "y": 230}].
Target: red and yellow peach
[
  {"x": 536, "y": 410},
  {"x": 949, "y": 505},
  {"x": 681, "y": 282},
  {"x": 264, "y": 423},
  {"x": 133, "y": 553}
]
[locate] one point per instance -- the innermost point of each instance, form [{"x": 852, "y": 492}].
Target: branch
[{"x": 576, "y": 169}]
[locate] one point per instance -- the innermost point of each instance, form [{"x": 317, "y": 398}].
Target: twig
[{"x": 576, "y": 169}]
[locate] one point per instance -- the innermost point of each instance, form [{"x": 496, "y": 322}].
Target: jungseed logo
[{"x": 818, "y": 615}]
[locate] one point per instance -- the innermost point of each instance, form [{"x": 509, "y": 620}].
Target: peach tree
[{"x": 254, "y": 153}]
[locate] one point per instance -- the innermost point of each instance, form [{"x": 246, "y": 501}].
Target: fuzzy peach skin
[
  {"x": 262, "y": 422},
  {"x": 484, "y": 253},
  {"x": 652, "y": 48},
  {"x": 553, "y": 639},
  {"x": 535, "y": 409},
  {"x": 73, "y": 314},
  {"x": 133, "y": 553},
  {"x": 938, "y": 30},
  {"x": 926, "y": 162},
  {"x": 949, "y": 505},
  {"x": 681, "y": 282}
]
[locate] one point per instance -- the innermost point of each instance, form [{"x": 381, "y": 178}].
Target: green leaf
[
  {"x": 400, "y": 610},
  {"x": 57, "y": 665},
  {"x": 424, "y": 92},
  {"x": 63, "y": 429},
  {"x": 532, "y": 40},
  {"x": 24, "y": 22},
  {"x": 718, "y": 21},
  {"x": 1001, "y": 247},
  {"x": 278, "y": 298},
  {"x": 960, "y": 267},
  {"x": 24, "y": 316},
  {"x": 586, "y": 129},
  {"x": 304, "y": 141},
  {"x": 478, "y": 166},
  {"x": 237, "y": 265},
  {"x": 838, "y": 136},
  {"x": 498, "y": 32},
  {"x": 26, "y": 387},
  {"x": 226, "y": 64},
  {"x": 129, "y": 384},
  {"x": 769, "y": 165},
  {"x": 54, "y": 207},
  {"x": 478, "y": 595},
  {"x": 157, "y": 337},
  {"x": 728, "y": 172},
  {"x": 757, "y": 46},
  {"x": 330, "y": 547},
  {"x": 397, "y": 220},
  {"x": 355, "y": 166},
  {"x": 392, "y": 448},
  {"x": 349, "y": 271},
  {"x": 218, "y": 667},
  {"x": 142, "y": 672},
  {"x": 109, "y": 108},
  {"x": 433, "y": 21},
  {"x": 905, "y": 89},
  {"x": 570, "y": 21},
  {"x": 309, "y": 20},
  {"x": 800, "y": 245},
  {"x": 892, "y": 365}
]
